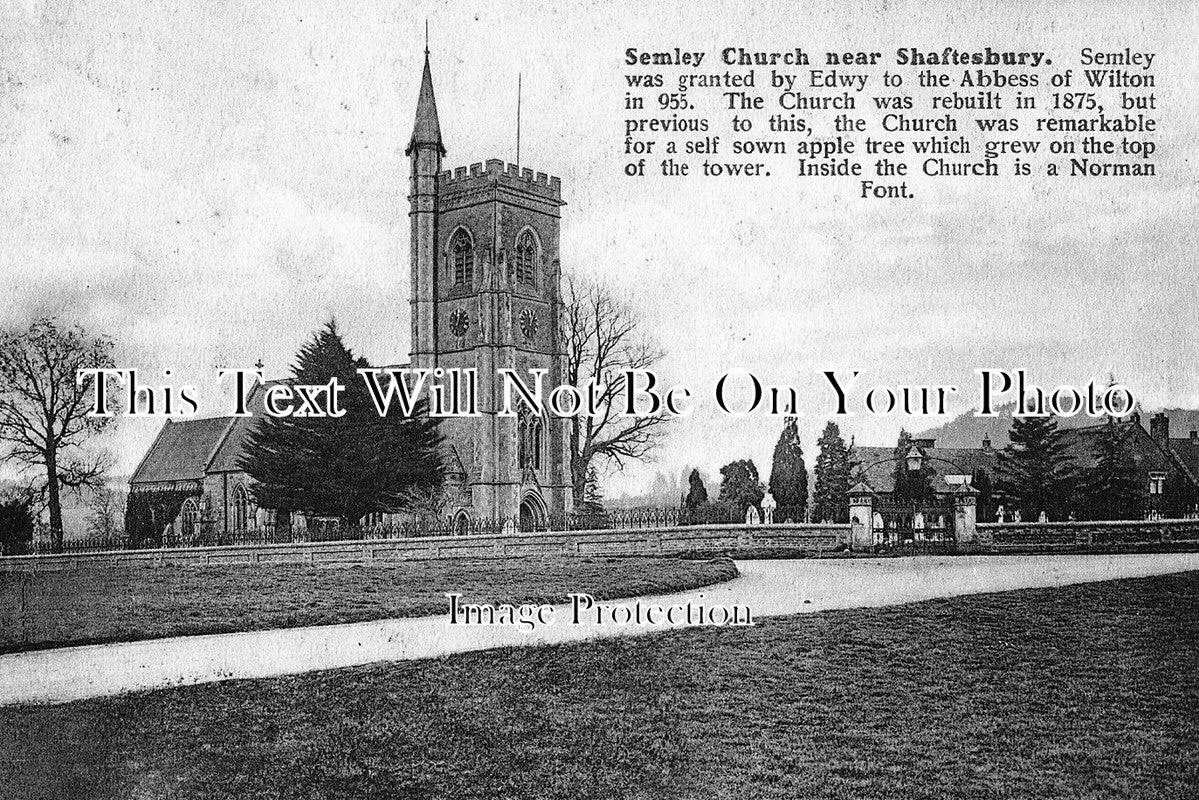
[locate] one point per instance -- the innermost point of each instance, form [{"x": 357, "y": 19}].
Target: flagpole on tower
[{"x": 518, "y": 79}]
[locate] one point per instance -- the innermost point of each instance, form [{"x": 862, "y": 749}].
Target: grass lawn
[
  {"x": 1088, "y": 691},
  {"x": 101, "y": 604}
]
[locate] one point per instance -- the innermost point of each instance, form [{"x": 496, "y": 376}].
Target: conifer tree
[
  {"x": 346, "y": 466},
  {"x": 1112, "y": 488},
  {"x": 1182, "y": 498},
  {"x": 697, "y": 493},
  {"x": 788, "y": 475},
  {"x": 740, "y": 486},
  {"x": 1036, "y": 472},
  {"x": 695, "y": 503},
  {"x": 830, "y": 500},
  {"x": 981, "y": 481},
  {"x": 16, "y": 526}
]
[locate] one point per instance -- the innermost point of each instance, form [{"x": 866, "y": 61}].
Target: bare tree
[
  {"x": 43, "y": 410},
  {"x": 602, "y": 339},
  {"x": 106, "y": 520}
]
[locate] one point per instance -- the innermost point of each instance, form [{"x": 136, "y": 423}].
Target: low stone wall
[
  {"x": 699, "y": 540},
  {"x": 733, "y": 540},
  {"x": 1012, "y": 536}
]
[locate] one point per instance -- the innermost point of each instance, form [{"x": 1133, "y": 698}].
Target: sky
[{"x": 208, "y": 183}]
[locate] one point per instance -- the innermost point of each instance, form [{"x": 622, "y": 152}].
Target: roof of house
[
  {"x": 880, "y": 463},
  {"x": 1187, "y": 450},
  {"x": 1081, "y": 445}
]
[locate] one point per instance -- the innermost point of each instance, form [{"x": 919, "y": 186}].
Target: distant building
[
  {"x": 951, "y": 466},
  {"x": 1161, "y": 468},
  {"x": 1184, "y": 453},
  {"x": 1167, "y": 470}
]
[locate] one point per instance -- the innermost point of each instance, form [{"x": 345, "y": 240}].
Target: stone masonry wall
[{"x": 730, "y": 539}]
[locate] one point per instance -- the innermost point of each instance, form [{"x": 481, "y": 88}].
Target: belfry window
[
  {"x": 462, "y": 255},
  {"x": 526, "y": 256}
]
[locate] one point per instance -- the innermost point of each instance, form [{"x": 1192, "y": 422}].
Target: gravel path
[{"x": 769, "y": 588}]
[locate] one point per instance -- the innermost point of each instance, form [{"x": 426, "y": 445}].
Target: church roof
[
  {"x": 426, "y": 130},
  {"x": 182, "y": 450},
  {"x": 227, "y": 454},
  {"x": 225, "y": 458},
  {"x": 187, "y": 450}
]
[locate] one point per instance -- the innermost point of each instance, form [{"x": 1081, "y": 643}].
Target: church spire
[{"x": 426, "y": 132}]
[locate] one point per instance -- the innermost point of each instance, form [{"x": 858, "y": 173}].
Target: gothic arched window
[
  {"x": 189, "y": 516},
  {"x": 462, "y": 258},
  {"x": 529, "y": 440},
  {"x": 522, "y": 453},
  {"x": 535, "y": 435},
  {"x": 526, "y": 258},
  {"x": 241, "y": 509}
]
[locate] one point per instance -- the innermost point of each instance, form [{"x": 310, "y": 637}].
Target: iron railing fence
[{"x": 207, "y": 534}]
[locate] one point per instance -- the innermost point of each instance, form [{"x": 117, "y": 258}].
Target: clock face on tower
[
  {"x": 459, "y": 322},
  {"x": 528, "y": 323}
]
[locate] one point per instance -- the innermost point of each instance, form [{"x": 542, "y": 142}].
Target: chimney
[
  {"x": 1159, "y": 428},
  {"x": 987, "y": 443}
]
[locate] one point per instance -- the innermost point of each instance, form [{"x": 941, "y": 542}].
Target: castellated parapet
[{"x": 495, "y": 171}]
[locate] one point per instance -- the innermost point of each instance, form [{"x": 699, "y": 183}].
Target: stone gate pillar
[
  {"x": 965, "y": 510},
  {"x": 861, "y": 517}
]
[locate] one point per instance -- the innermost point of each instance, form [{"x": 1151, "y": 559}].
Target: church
[{"x": 484, "y": 294}]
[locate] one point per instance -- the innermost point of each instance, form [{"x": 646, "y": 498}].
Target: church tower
[{"x": 486, "y": 295}]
